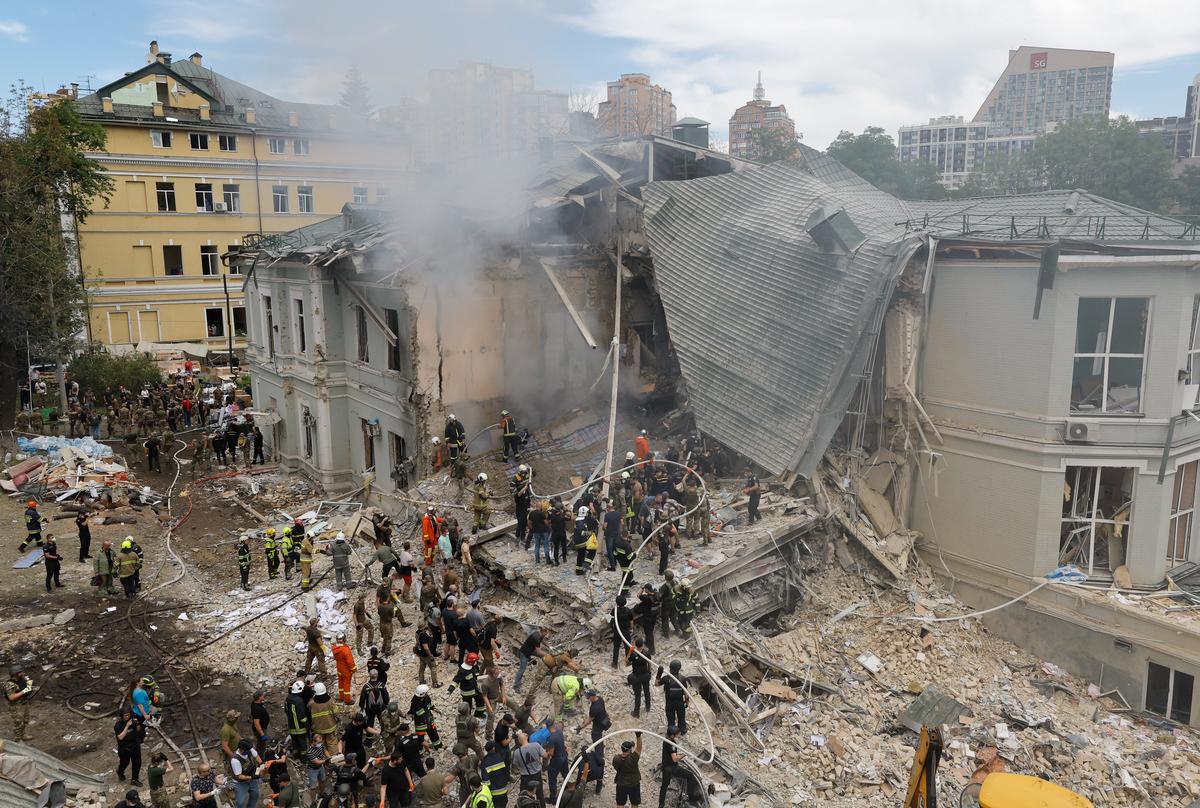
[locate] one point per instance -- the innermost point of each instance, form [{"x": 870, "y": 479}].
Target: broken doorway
[
  {"x": 1097, "y": 510},
  {"x": 1169, "y": 692}
]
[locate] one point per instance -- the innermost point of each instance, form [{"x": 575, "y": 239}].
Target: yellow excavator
[{"x": 998, "y": 789}]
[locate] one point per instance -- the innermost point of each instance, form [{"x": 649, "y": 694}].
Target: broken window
[
  {"x": 234, "y": 267},
  {"x": 301, "y": 338},
  {"x": 308, "y": 422},
  {"x": 239, "y": 321},
  {"x": 204, "y": 197},
  {"x": 392, "y": 316},
  {"x": 199, "y": 141},
  {"x": 1183, "y": 506},
  {"x": 279, "y": 198},
  {"x": 360, "y": 195},
  {"x": 160, "y": 140},
  {"x": 1096, "y": 516},
  {"x": 360, "y": 322},
  {"x": 277, "y": 145},
  {"x": 399, "y": 450},
  {"x": 210, "y": 262},
  {"x": 1169, "y": 692},
  {"x": 166, "y": 196},
  {"x": 368, "y": 446},
  {"x": 300, "y": 147},
  {"x": 214, "y": 321},
  {"x": 304, "y": 199},
  {"x": 1110, "y": 349},
  {"x": 1193, "y": 355},
  {"x": 269, "y": 326},
  {"x": 227, "y": 142},
  {"x": 172, "y": 259}
]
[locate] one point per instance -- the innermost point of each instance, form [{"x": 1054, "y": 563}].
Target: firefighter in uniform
[
  {"x": 508, "y": 428},
  {"x": 287, "y": 547},
  {"x": 272, "y": 551},
  {"x": 685, "y": 605},
  {"x": 479, "y": 505},
  {"x": 33, "y": 525},
  {"x": 467, "y": 682},
  {"x": 421, "y": 710},
  {"x": 306, "y": 557},
  {"x": 243, "y": 559}
]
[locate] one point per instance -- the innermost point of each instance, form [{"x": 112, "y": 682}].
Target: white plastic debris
[{"x": 871, "y": 662}]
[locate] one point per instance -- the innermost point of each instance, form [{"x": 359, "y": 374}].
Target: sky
[{"x": 834, "y": 66}]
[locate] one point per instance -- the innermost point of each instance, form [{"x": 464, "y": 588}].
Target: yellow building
[{"x": 199, "y": 161}]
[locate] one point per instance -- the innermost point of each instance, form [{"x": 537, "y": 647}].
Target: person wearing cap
[
  {"x": 621, "y": 623},
  {"x": 343, "y": 659},
  {"x": 373, "y": 699},
  {"x": 479, "y": 504},
  {"x": 362, "y": 623},
  {"x": 425, "y": 650},
  {"x": 128, "y": 564},
  {"x": 289, "y": 794},
  {"x": 685, "y": 605},
  {"x": 132, "y": 800},
  {"x": 245, "y": 766},
  {"x": 638, "y": 660},
  {"x": 508, "y": 431},
  {"x": 33, "y": 525},
  {"x": 231, "y": 736},
  {"x": 666, "y": 603},
  {"x": 53, "y": 561},
  {"x": 315, "y": 648},
  {"x": 597, "y": 718},
  {"x": 671, "y": 757},
  {"x": 260, "y": 719},
  {"x": 323, "y": 717},
  {"x": 420, "y": 707},
  {"x": 675, "y": 696},
  {"x": 130, "y": 734},
  {"x": 627, "y": 775},
  {"x": 378, "y": 664},
  {"x": 156, "y": 774},
  {"x": 340, "y": 551}
]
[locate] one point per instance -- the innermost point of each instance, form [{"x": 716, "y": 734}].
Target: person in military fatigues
[
  {"x": 243, "y": 559},
  {"x": 17, "y": 692}
]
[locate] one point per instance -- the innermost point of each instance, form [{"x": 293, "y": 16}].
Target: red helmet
[
  {"x": 31, "y": 503},
  {"x": 472, "y": 658}
]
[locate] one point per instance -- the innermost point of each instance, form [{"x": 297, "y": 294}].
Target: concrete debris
[{"x": 33, "y": 621}]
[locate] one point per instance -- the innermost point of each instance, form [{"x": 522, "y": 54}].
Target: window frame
[
  {"x": 208, "y": 322},
  {"x": 161, "y": 138},
  {"x": 1106, "y": 356},
  {"x": 272, "y": 142},
  {"x": 1091, "y": 519},
  {"x": 1181, "y": 521},
  {"x": 279, "y": 198},
  {"x": 301, "y": 146},
  {"x": 269, "y": 324},
  {"x": 210, "y": 257},
  {"x": 362, "y": 335},
  {"x": 234, "y": 268},
  {"x": 166, "y": 269},
  {"x": 231, "y": 195},
  {"x": 395, "y": 357},
  {"x": 198, "y": 137},
  {"x": 1172, "y": 682},
  {"x": 245, "y": 318},
  {"x": 164, "y": 195},
  {"x": 357, "y": 198},
  {"x": 305, "y": 192},
  {"x": 368, "y": 445},
  {"x": 227, "y": 142},
  {"x": 299, "y": 334},
  {"x": 204, "y": 197}
]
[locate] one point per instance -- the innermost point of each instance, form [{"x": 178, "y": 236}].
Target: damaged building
[{"x": 1003, "y": 386}]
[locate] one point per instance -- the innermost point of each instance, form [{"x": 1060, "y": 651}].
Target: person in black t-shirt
[
  {"x": 260, "y": 719},
  {"x": 395, "y": 783}
]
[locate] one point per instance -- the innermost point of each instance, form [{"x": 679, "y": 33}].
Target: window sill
[{"x": 1107, "y": 415}]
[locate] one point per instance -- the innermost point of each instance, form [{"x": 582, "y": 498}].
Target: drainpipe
[{"x": 257, "y": 183}]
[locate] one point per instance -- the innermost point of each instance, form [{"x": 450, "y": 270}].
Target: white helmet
[
  {"x": 630, "y": 456},
  {"x": 340, "y": 536},
  {"x": 524, "y": 469},
  {"x": 624, "y": 475},
  {"x": 482, "y": 478},
  {"x": 319, "y": 689},
  {"x": 587, "y": 683},
  {"x": 297, "y": 686},
  {"x": 583, "y": 512},
  {"x": 451, "y": 417},
  {"x": 422, "y": 690},
  {"x": 436, "y": 440},
  {"x": 643, "y": 433}
]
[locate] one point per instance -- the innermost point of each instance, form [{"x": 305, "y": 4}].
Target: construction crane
[{"x": 998, "y": 789}]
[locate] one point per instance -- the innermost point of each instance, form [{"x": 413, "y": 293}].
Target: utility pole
[
  {"x": 60, "y": 373},
  {"x": 616, "y": 360},
  {"x": 228, "y": 318}
]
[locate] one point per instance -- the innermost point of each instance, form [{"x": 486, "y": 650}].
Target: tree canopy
[
  {"x": 355, "y": 96},
  {"x": 95, "y": 371},
  {"x": 872, "y": 156},
  {"x": 768, "y": 145},
  {"x": 44, "y": 174}
]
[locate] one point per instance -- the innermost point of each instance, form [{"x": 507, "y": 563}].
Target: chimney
[
  {"x": 293, "y": 119},
  {"x": 197, "y": 59},
  {"x": 164, "y": 57},
  {"x": 205, "y": 112},
  {"x": 153, "y": 55},
  {"x": 106, "y": 105},
  {"x": 158, "y": 109},
  {"x": 250, "y": 117},
  {"x": 75, "y": 89}
]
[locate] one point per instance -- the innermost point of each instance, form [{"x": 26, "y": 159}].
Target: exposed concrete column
[
  {"x": 1146, "y": 548},
  {"x": 316, "y": 296},
  {"x": 326, "y": 427}
]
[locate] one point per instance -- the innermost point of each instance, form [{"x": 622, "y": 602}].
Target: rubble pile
[{"x": 1017, "y": 713}]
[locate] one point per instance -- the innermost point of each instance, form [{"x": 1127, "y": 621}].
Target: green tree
[
  {"x": 355, "y": 96},
  {"x": 1185, "y": 191},
  {"x": 1109, "y": 158},
  {"x": 45, "y": 178},
  {"x": 872, "y": 156},
  {"x": 94, "y": 371},
  {"x": 772, "y": 145}
]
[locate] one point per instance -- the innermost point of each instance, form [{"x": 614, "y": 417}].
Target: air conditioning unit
[
  {"x": 1076, "y": 432},
  {"x": 219, "y": 207}
]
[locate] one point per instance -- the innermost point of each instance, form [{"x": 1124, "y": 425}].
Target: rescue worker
[
  {"x": 565, "y": 690},
  {"x": 465, "y": 767},
  {"x": 753, "y": 491},
  {"x": 481, "y": 795},
  {"x": 272, "y": 552},
  {"x": 494, "y": 770},
  {"x": 390, "y": 722},
  {"x": 466, "y": 679},
  {"x": 479, "y": 505},
  {"x": 295, "y": 710},
  {"x": 437, "y": 457},
  {"x": 243, "y": 559},
  {"x": 33, "y": 526},
  {"x": 343, "y": 659},
  {"x": 466, "y": 729},
  {"x": 641, "y": 446},
  {"x": 456, "y": 438},
  {"x": 314, "y": 648},
  {"x": 128, "y": 564},
  {"x": 85, "y": 535},
  {"x": 508, "y": 429},
  {"x": 53, "y": 561},
  {"x": 17, "y": 692},
  {"x": 666, "y": 603},
  {"x": 646, "y": 611},
  {"x": 378, "y": 664},
  {"x": 430, "y": 528},
  {"x": 362, "y": 623},
  {"x": 622, "y": 630},
  {"x": 426, "y": 652},
  {"x": 373, "y": 699},
  {"x": 522, "y": 497},
  {"x": 287, "y": 547},
  {"x": 306, "y": 557},
  {"x": 685, "y": 605},
  {"x": 421, "y": 710},
  {"x": 104, "y": 567},
  {"x": 625, "y": 555},
  {"x": 340, "y": 552},
  {"x": 322, "y": 714},
  {"x": 675, "y": 696}
]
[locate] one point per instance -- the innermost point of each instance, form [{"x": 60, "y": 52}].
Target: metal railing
[{"x": 1041, "y": 228}]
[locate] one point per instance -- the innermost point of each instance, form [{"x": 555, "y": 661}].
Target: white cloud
[
  {"x": 14, "y": 30},
  {"x": 871, "y": 62}
]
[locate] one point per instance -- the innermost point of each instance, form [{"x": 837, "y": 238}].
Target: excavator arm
[{"x": 922, "y": 779}]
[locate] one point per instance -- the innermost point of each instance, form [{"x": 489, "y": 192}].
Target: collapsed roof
[{"x": 774, "y": 282}]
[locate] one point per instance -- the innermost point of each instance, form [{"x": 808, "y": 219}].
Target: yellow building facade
[{"x": 198, "y": 162}]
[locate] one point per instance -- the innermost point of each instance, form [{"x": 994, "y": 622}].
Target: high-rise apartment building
[
  {"x": 757, "y": 113},
  {"x": 199, "y": 160},
  {"x": 635, "y": 107},
  {"x": 1039, "y": 88},
  {"x": 1180, "y": 135}
]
